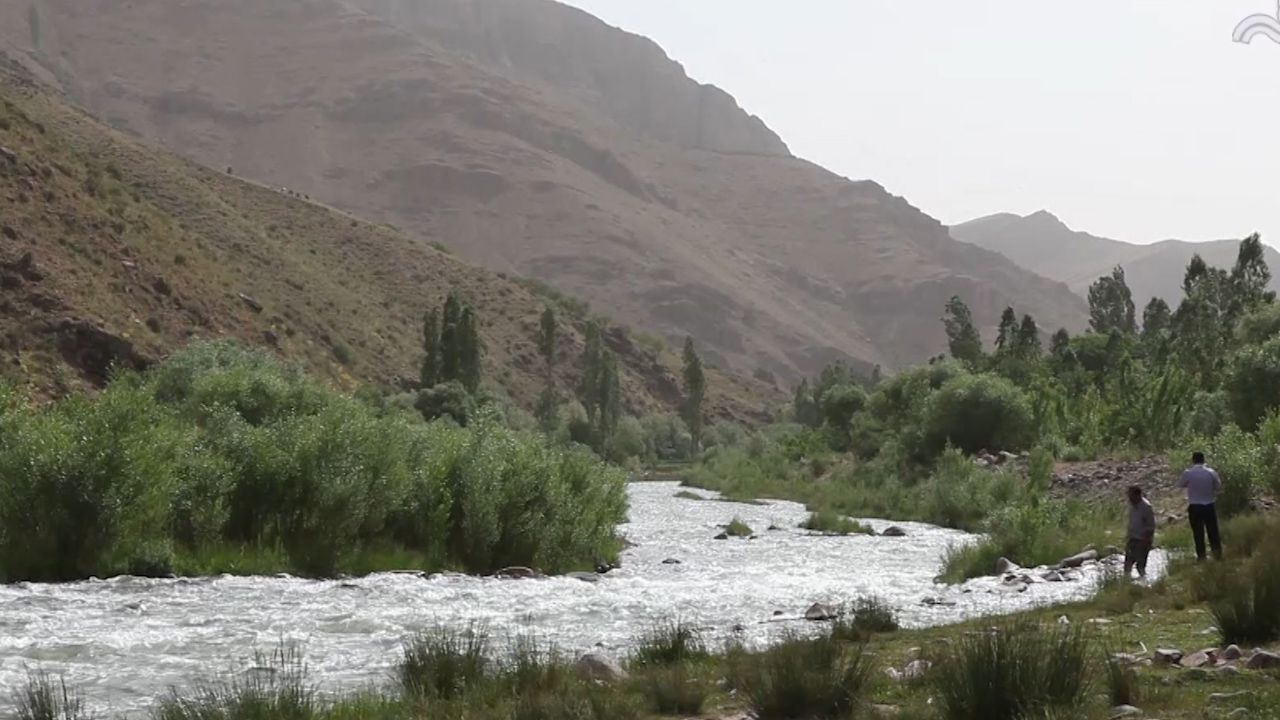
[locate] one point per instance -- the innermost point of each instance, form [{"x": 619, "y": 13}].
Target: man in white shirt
[
  {"x": 1142, "y": 532},
  {"x": 1202, "y": 485}
]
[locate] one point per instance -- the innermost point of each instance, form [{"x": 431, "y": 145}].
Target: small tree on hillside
[
  {"x": 430, "y": 372},
  {"x": 548, "y": 409},
  {"x": 470, "y": 351},
  {"x": 695, "y": 390},
  {"x": 1111, "y": 304},
  {"x": 963, "y": 340},
  {"x": 589, "y": 381}
]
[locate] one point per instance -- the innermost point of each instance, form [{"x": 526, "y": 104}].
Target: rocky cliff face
[{"x": 626, "y": 76}]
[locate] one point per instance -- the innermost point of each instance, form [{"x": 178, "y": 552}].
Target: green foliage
[
  {"x": 675, "y": 691},
  {"x": 1250, "y": 611},
  {"x": 695, "y": 390},
  {"x": 670, "y": 643},
  {"x": 803, "y": 678},
  {"x": 222, "y": 447},
  {"x": 738, "y": 528},
  {"x": 452, "y": 350},
  {"x": 444, "y": 664},
  {"x": 280, "y": 690},
  {"x": 963, "y": 340},
  {"x": 44, "y": 698},
  {"x": 827, "y": 522},
  {"x": 1017, "y": 671},
  {"x": 1111, "y": 306},
  {"x": 976, "y": 412},
  {"x": 1252, "y": 383},
  {"x": 1238, "y": 460}
]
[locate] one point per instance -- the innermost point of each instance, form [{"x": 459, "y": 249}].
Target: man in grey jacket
[{"x": 1142, "y": 532}]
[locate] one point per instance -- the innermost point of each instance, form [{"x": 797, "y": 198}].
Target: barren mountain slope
[
  {"x": 111, "y": 250},
  {"x": 1044, "y": 244},
  {"x": 530, "y": 136}
]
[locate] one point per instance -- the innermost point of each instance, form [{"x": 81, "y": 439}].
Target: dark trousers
[
  {"x": 1204, "y": 520},
  {"x": 1135, "y": 555}
]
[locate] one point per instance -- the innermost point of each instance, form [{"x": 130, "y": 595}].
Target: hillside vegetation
[
  {"x": 529, "y": 136},
  {"x": 115, "y": 252},
  {"x": 971, "y": 441}
]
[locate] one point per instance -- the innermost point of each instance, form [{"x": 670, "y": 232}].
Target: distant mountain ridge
[{"x": 1044, "y": 244}]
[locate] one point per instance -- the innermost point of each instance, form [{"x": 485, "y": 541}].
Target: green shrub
[
  {"x": 1018, "y": 671},
  {"x": 1252, "y": 383},
  {"x": 802, "y": 678},
  {"x": 674, "y": 691},
  {"x": 738, "y": 528},
  {"x": 219, "y": 448},
  {"x": 826, "y": 521},
  {"x": 278, "y": 688},
  {"x": 444, "y": 664},
  {"x": 1250, "y": 610},
  {"x": 1235, "y": 455},
  {"x": 670, "y": 643},
  {"x": 977, "y": 412},
  {"x": 43, "y": 698},
  {"x": 1122, "y": 680}
]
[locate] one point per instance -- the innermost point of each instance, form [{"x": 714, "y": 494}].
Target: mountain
[
  {"x": 1042, "y": 243},
  {"x": 533, "y": 138},
  {"x": 112, "y": 251}
]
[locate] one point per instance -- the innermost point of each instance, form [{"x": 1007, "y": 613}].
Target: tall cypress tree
[
  {"x": 430, "y": 372},
  {"x": 450, "y": 341},
  {"x": 610, "y": 394},
  {"x": 589, "y": 382},
  {"x": 470, "y": 354},
  {"x": 695, "y": 390}
]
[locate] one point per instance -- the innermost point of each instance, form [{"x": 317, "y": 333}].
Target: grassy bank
[
  {"x": 223, "y": 460},
  {"x": 1074, "y": 662}
]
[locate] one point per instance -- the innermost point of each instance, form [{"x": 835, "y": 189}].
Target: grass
[
  {"x": 829, "y": 523},
  {"x": 44, "y": 698},
  {"x": 668, "y": 644},
  {"x": 1249, "y": 611},
  {"x": 1016, "y": 670},
  {"x": 738, "y": 528},
  {"x": 801, "y": 678}
]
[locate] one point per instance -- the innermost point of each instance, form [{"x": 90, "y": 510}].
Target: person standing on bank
[
  {"x": 1142, "y": 532},
  {"x": 1202, "y": 485}
]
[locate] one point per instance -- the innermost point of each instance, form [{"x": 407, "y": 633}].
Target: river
[{"x": 125, "y": 641}]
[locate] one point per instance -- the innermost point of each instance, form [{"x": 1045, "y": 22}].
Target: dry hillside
[
  {"x": 1044, "y": 244},
  {"x": 532, "y": 137},
  {"x": 113, "y": 251}
]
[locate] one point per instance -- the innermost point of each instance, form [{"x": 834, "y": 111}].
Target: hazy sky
[{"x": 1135, "y": 119}]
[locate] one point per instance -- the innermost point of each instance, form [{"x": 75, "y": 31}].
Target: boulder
[
  {"x": 1121, "y": 711},
  {"x": 1005, "y": 565},
  {"x": 894, "y": 531},
  {"x": 1263, "y": 660},
  {"x": 584, "y": 576},
  {"x": 1166, "y": 656},
  {"x": 517, "y": 573},
  {"x": 915, "y": 669},
  {"x": 671, "y": 561},
  {"x": 1079, "y": 559},
  {"x": 1232, "y": 652},
  {"x": 594, "y": 666},
  {"x": 1197, "y": 659},
  {"x": 722, "y": 536},
  {"x": 818, "y": 612}
]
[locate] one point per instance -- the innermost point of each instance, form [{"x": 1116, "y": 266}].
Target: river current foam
[{"x": 125, "y": 641}]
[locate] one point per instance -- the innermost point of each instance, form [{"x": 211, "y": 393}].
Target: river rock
[
  {"x": 1005, "y": 566},
  {"x": 915, "y": 669},
  {"x": 671, "y": 561},
  {"x": 1052, "y": 576},
  {"x": 1263, "y": 660},
  {"x": 1197, "y": 659},
  {"x": 722, "y": 536},
  {"x": 894, "y": 531},
  {"x": 1227, "y": 697},
  {"x": 1166, "y": 656},
  {"x": 584, "y": 576},
  {"x": 1078, "y": 559},
  {"x": 1121, "y": 711},
  {"x": 517, "y": 573},
  {"x": 1231, "y": 652},
  {"x": 818, "y": 612},
  {"x": 595, "y": 666}
]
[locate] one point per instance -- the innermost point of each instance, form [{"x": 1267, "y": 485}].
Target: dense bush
[
  {"x": 1017, "y": 671},
  {"x": 220, "y": 446},
  {"x": 980, "y": 412}
]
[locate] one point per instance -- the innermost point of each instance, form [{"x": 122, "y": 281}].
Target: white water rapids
[{"x": 124, "y": 642}]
